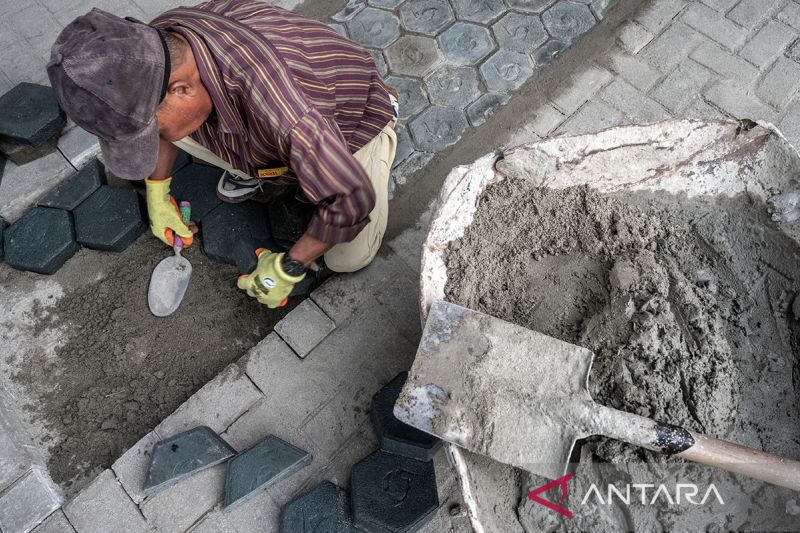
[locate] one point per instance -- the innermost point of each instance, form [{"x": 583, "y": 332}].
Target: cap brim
[{"x": 133, "y": 158}]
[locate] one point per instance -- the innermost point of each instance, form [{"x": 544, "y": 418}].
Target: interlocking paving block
[
  {"x": 197, "y": 184},
  {"x": 392, "y": 493},
  {"x": 260, "y": 467},
  {"x": 404, "y": 145},
  {"x": 55, "y": 523},
  {"x": 485, "y": 106},
  {"x": 75, "y": 189},
  {"x": 465, "y": 44},
  {"x": 104, "y": 506},
  {"x": 229, "y": 224},
  {"x": 304, "y": 327},
  {"x": 110, "y": 219},
  {"x": 184, "y": 455},
  {"x": 428, "y": 17},
  {"x": 520, "y": 32},
  {"x": 323, "y": 509},
  {"x": 4, "y": 225},
  {"x": 391, "y": 4},
  {"x": 28, "y": 502},
  {"x": 380, "y": 62},
  {"x": 41, "y": 241},
  {"x": 548, "y": 52},
  {"x": 453, "y": 86},
  {"x": 438, "y": 127},
  {"x": 374, "y": 28},
  {"x": 533, "y": 6},
  {"x": 394, "y": 435},
  {"x": 413, "y": 55},
  {"x": 506, "y": 70},
  {"x": 483, "y": 11},
  {"x": 567, "y": 20},
  {"x": 349, "y": 11},
  {"x": 30, "y": 115},
  {"x": 410, "y": 95}
]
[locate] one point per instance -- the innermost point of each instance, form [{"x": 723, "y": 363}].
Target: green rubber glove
[
  {"x": 268, "y": 283},
  {"x": 165, "y": 217}
]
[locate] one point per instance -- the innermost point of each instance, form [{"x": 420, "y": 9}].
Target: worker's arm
[
  {"x": 167, "y": 152},
  {"x": 308, "y": 248}
]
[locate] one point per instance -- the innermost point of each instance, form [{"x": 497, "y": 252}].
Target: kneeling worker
[{"x": 269, "y": 96}]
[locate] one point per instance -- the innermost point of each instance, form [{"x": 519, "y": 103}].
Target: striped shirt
[{"x": 288, "y": 91}]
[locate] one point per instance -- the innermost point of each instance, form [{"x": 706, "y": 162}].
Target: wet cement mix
[
  {"x": 686, "y": 303},
  {"x": 115, "y": 371}
]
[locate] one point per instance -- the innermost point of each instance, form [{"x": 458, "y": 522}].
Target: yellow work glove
[
  {"x": 268, "y": 283},
  {"x": 165, "y": 217}
]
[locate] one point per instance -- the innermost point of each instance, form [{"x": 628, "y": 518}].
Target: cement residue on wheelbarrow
[{"x": 653, "y": 247}]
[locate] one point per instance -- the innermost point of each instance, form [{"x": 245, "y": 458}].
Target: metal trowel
[{"x": 170, "y": 278}]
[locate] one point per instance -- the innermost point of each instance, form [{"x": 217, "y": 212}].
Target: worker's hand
[
  {"x": 165, "y": 217},
  {"x": 268, "y": 283}
]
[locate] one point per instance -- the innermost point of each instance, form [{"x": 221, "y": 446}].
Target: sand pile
[{"x": 687, "y": 305}]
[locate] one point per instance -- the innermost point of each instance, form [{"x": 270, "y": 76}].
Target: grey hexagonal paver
[
  {"x": 426, "y": 16},
  {"x": 411, "y": 96},
  {"x": 483, "y": 11},
  {"x": 466, "y": 44},
  {"x": 438, "y": 127},
  {"x": 453, "y": 86},
  {"x": 413, "y": 55},
  {"x": 548, "y": 52},
  {"x": 390, "y": 4},
  {"x": 341, "y": 29},
  {"x": 404, "y": 146},
  {"x": 520, "y": 32},
  {"x": 531, "y": 6},
  {"x": 374, "y": 28},
  {"x": 350, "y": 10},
  {"x": 567, "y": 21},
  {"x": 506, "y": 70},
  {"x": 380, "y": 62},
  {"x": 485, "y": 106}
]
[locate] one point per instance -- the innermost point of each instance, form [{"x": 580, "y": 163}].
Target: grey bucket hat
[{"x": 109, "y": 75}]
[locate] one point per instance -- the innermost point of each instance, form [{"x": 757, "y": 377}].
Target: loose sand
[{"x": 687, "y": 305}]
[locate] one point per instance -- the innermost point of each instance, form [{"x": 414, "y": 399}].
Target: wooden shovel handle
[{"x": 742, "y": 460}]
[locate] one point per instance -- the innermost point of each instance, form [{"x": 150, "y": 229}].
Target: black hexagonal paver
[
  {"x": 323, "y": 509},
  {"x": 197, "y": 184},
  {"x": 532, "y": 6},
  {"x": 428, "y": 17},
  {"x": 231, "y": 230},
  {"x": 483, "y": 11},
  {"x": 438, "y": 127},
  {"x": 30, "y": 115},
  {"x": 184, "y": 455},
  {"x": 380, "y": 62},
  {"x": 41, "y": 241},
  {"x": 3, "y": 226},
  {"x": 350, "y": 10},
  {"x": 413, "y": 55},
  {"x": 374, "y": 28},
  {"x": 110, "y": 219},
  {"x": 392, "y": 493},
  {"x": 465, "y": 44},
  {"x": 411, "y": 97},
  {"x": 506, "y": 70},
  {"x": 404, "y": 145},
  {"x": 75, "y": 189},
  {"x": 568, "y": 20},
  {"x": 389, "y": 4},
  {"x": 260, "y": 467},
  {"x": 453, "y": 86},
  {"x": 519, "y": 31},
  {"x": 396, "y": 436}
]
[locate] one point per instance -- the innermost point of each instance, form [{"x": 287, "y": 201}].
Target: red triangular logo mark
[{"x": 561, "y": 482}]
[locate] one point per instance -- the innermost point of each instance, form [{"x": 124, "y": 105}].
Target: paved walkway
[{"x": 671, "y": 58}]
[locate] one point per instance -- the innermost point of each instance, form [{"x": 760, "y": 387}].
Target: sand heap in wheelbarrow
[{"x": 687, "y": 304}]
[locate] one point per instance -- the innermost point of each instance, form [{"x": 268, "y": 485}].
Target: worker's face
[{"x": 187, "y": 103}]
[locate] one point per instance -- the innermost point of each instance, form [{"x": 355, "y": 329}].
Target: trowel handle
[
  {"x": 186, "y": 216},
  {"x": 696, "y": 447}
]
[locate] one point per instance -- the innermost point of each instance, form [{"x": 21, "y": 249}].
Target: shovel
[
  {"x": 522, "y": 398},
  {"x": 170, "y": 278}
]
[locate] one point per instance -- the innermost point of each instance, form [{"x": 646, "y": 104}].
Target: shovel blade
[
  {"x": 168, "y": 285},
  {"x": 497, "y": 389}
]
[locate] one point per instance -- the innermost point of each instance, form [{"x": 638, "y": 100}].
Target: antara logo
[{"x": 562, "y": 484}]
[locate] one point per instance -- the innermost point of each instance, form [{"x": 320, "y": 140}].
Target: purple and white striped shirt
[{"x": 289, "y": 91}]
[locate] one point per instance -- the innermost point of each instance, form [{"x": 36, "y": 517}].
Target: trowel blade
[
  {"x": 168, "y": 284},
  {"x": 497, "y": 389}
]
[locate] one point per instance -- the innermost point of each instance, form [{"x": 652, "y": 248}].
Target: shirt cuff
[{"x": 321, "y": 230}]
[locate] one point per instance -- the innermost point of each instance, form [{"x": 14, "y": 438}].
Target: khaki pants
[{"x": 376, "y": 157}]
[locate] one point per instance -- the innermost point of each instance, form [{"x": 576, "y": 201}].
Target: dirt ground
[{"x": 96, "y": 370}]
